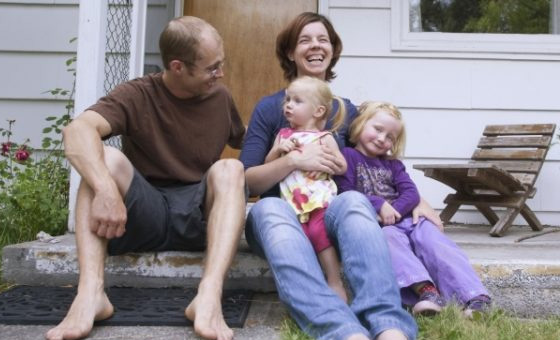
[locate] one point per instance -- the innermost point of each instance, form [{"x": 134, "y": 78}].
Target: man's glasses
[{"x": 211, "y": 71}]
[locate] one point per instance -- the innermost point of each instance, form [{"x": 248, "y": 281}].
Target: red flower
[
  {"x": 22, "y": 154},
  {"x": 6, "y": 148}
]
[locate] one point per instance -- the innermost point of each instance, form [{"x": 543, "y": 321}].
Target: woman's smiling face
[{"x": 313, "y": 52}]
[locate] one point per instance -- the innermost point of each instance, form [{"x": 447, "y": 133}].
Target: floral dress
[{"x": 306, "y": 191}]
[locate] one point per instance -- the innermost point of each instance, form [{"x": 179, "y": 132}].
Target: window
[{"x": 491, "y": 26}]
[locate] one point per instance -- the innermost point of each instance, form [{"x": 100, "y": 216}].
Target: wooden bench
[{"x": 502, "y": 173}]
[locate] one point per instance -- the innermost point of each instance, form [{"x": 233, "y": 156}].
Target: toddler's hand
[{"x": 288, "y": 145}]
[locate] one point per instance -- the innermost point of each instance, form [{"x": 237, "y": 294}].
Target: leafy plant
[{"x": 34, "y": 183}]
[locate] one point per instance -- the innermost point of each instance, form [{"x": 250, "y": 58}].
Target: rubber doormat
[{"x": 26, "y": 305}]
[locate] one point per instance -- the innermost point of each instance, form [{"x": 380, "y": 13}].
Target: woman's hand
[
  {"x": 316, "y": 157},
  {"x": 423, "y": 209}
]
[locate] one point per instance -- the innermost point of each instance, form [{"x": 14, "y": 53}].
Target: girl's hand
[
  {"x": 423, "y": 209},
  {"x": 388, "y": 214}
]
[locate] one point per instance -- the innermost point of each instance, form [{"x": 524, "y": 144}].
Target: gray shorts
[{"x": 162, "y": 218}]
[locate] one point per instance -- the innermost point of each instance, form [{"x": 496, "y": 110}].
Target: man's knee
[
  {"x": 227, "y": 172},
  {"x": 119, "y": 167}
]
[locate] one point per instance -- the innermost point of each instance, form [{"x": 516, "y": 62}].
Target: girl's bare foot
[{"x": 79, "y": 320}]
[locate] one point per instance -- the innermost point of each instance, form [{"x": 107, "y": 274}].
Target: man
[{"x": 167, "y": 189}]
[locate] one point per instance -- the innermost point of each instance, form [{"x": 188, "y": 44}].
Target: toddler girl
[{"x": 307, "y": 106}]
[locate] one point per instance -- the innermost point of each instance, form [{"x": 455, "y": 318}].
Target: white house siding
[
  {"x": 34, "y": 46},
  {"x": 447, "y": 97}
]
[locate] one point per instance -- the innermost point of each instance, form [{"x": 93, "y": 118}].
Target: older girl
[{"x": 423, "y": 257}]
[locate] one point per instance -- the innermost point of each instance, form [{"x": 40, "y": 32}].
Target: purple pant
[{"x": 423, "y": 253}]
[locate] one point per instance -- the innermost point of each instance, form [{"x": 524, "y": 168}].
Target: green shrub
[
  {"x": 33, "y": 188},
  {"x": 34, "y": 184}
]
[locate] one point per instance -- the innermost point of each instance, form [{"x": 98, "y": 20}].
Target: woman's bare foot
[
  {"x": 205, "y": 311},
  {"x": 79, "y": 320},
  {"x": 391, "y": 334}
]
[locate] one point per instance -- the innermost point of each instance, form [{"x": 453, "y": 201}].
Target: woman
[{"x": 310, "y": 46}]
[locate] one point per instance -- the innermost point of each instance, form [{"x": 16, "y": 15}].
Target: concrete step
[
  {"x": 523, "y": 275},
  {"x": 56, "y": 264}
]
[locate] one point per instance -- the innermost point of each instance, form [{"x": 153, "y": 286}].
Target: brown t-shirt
[{"x": 166, "y": 138}]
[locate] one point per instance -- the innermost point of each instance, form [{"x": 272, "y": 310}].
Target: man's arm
[{"x": 84, "y": 150}]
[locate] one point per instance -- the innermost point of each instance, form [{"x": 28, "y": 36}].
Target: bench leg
[
  {"x": 531, "y": 218},
  {"x": 488, "y": 213},
  {"x": 448, "y": 212},
  {"x": 505, "y": 222}
]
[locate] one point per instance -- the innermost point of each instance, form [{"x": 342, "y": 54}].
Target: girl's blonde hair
[
  {"x": 322, "y": 96},
  {"x": 368, "y": 110}
]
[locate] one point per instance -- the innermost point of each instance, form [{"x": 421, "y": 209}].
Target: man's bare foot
[
  {"x": 79, "y": 320},
  {"x": 205, "y": 311},
  {"x": 358, "y": 337}
]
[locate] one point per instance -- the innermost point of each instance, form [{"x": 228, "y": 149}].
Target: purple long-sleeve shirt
[{"x": 380, "y": 179}]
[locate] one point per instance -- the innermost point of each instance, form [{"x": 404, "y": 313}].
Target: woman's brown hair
[{"x": 286, "y": 43}]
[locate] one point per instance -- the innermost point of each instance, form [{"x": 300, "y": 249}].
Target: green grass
[{"x": 451, "y": 325}]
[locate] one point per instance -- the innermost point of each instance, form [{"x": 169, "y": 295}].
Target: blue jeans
[{"x": 274, "y": 232}]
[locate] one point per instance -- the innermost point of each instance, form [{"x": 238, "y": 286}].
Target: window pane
[{"x": 485, "y": 16}]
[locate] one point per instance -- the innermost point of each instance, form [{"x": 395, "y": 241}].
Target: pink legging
[{"x": 316, "y": 231}]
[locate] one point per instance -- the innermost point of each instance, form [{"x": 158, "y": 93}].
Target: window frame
[{"x": 403, "y": 40}]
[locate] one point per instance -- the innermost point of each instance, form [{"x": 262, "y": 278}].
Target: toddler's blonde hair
[{"x": 322, "y": 96}]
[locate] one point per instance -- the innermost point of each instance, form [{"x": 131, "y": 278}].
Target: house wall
[
  {"x": 447, "y": 98},
  {"x": 34, "y": 47}
]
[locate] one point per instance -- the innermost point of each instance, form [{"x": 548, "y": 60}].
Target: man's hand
[
  {"x": 423, "y": 209},
  {"x": 108, "y": 214},
  {"x": 388, "y": 214},
  {"x": 316, "y": 157}
]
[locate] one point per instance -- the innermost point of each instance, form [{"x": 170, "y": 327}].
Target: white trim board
[{"x": 515, "y": 44}]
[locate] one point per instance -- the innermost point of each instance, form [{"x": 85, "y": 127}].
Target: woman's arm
[
  {"x": 423, "y": 209},
  {"x": 340, "y": 161}
]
